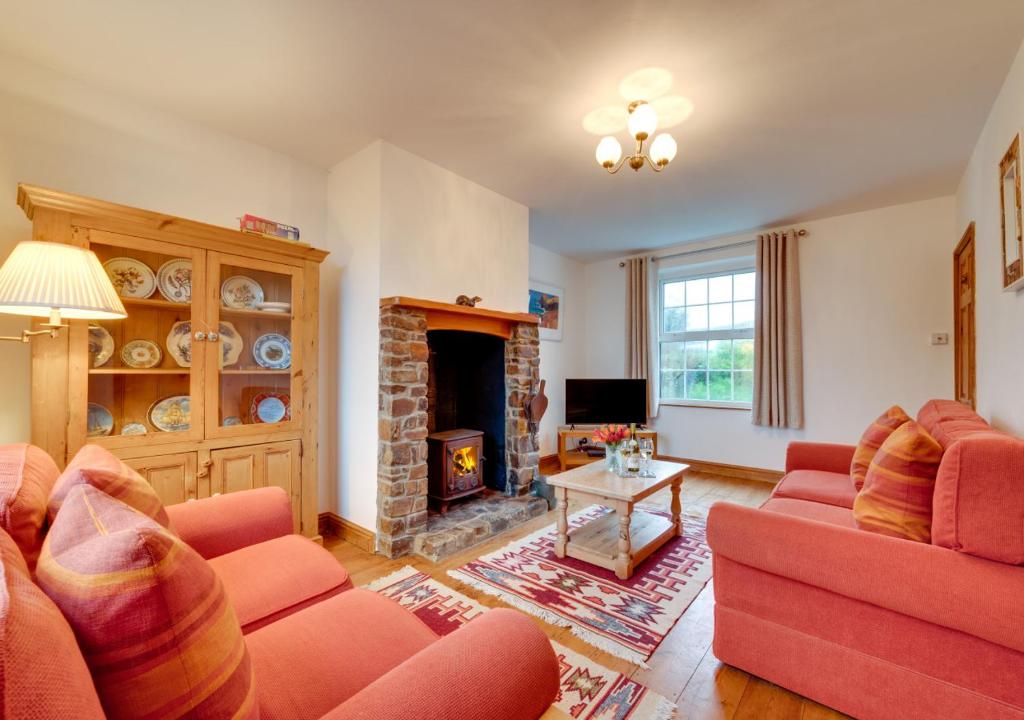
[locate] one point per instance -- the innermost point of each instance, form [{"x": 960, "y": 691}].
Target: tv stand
[{"x": 568, "y": 454}]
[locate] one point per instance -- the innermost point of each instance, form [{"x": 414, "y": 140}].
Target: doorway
[{"x": 963, "y": 318}]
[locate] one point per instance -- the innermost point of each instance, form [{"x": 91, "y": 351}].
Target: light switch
[{"x": 940, "y": 338}]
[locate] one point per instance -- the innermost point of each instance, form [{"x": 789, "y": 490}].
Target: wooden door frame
[{"x": 965, "y": 240}]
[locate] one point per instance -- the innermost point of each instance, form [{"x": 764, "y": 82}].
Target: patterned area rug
[
  {"x": 588, "y": 691},
  {"x": 626, "y": 618}
]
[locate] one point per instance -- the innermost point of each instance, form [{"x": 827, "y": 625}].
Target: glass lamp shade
[
  {"x": 608, "y": 151},
  {"x": 42, "y": 277},
  {"x": 643, "y": 121},
  {"x": 663, "y": 149}
]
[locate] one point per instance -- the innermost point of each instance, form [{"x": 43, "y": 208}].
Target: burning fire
[{"x": 463, "y": 461}]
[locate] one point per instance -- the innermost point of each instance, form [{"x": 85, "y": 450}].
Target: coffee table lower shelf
[{"x": 599, "y": 542}]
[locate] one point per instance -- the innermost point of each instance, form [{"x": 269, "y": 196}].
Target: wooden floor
[{"x": 683, "y": 667}]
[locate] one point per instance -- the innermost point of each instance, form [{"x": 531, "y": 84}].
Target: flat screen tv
[{"x": 596, "y": 402}]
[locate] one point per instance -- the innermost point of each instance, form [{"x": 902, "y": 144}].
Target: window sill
[{"x": 712, "y": 404}]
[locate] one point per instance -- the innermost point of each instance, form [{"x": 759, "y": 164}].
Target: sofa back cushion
[
  {"x": 872, "y": 439},
  {"x": 100, "y": 468},
  {"x": 897, "y": 495},
  {"x": 948, "y": 421},
  {"x": 151, "y": 616},
  {"x": 27, "y": 475},
  {"x": 42, "y": 673},
  {"x": 979, "y": 498}
]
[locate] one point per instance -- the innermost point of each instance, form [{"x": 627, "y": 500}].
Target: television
[{"x": 596, "y": 402}]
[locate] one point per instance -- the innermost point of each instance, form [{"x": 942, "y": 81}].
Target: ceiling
[{"x": 802, "y": 108}]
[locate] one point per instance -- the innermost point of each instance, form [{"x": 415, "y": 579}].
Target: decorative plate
[
  {"x": 141, "y": 354},
  {"x": 99, "y": 421},
  {"x": 179, "y": 343},
  {"x": 271, "y": 408},
  {"x": 233, "y": 420},
  {"x": 174, "y": 280},
  {"x": 130, "y": 277},
  {"x": 172, "y": 414},
  {"x": 134, "y": 428},
  {"x": 230, "y": 344},
  {"x": 273, "y": 351},
  {"x": 274, "y": 307},
  {"x": 101, "y": 345},
  {"x": 241, "y": 292}
]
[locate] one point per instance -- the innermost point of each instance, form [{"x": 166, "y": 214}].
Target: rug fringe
[
  {"x": 390, "y": 579},
  {"x": 664, "y": 710}
]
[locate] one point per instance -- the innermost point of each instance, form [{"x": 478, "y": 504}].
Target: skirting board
[
  {"x": 339, "y": 527},
  {"x": 734, "y": 471},
  {"x": 549, "y": 464}
]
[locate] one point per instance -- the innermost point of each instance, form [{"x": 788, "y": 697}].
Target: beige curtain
[
  {"x": 778, "y": 354},
  {"x": 641, "y": 358}
]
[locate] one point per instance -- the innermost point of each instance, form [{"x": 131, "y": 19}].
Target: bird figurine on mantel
[{"x": 468, "y": 301}]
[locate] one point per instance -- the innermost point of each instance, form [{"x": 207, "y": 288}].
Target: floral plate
[
  {"x": 174, "y": 280},
  {"x": 141, "y": 354},
  {"x": 241, "y": 292},
  {"x": 130, "y": 277}
]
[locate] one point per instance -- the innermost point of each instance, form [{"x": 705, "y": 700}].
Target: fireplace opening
[
  {"x": 466, "y": 391},
  {"x": 455, "y": 465}
]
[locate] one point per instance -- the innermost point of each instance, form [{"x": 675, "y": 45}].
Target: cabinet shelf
[
  {"x": 138, "y": 371},
  {"x": 153, "y": 302},
  {"x": 255, "y": 371},
  {"x": 237, "y": 312}
]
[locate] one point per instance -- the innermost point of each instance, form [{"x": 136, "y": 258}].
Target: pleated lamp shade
[{"x": 41, "y": 277}]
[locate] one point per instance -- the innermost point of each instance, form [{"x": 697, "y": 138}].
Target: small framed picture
[
  {"x": 1010, "y": 217},
  {"x": 546, "y": 303}
]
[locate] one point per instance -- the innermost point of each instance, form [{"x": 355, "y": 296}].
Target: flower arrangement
[{"x": 611, "y": 435}]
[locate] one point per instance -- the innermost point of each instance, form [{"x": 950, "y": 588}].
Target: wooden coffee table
[{"x": 623, "y": 538}]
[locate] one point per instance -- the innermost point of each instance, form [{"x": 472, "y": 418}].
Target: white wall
[
  {"x": 999, "y": 315},
  {"x": 874, "y": 286},
  {"x": 565, "y": 358},
  {"x": 444, "y": 236},
  {"x": 61, "y": 134}
]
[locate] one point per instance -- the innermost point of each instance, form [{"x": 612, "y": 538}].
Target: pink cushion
[
  {"x": 831, "y": 514},
  {"x": 272, "y": 579},
  {"x": 27, "y": 475},
  {"x": 979, "y": 498},
  {"x": 309, "y": 662},
  {"x": 818, "y": 486}
]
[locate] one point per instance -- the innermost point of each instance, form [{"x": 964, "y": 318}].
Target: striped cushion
[
  {"x": 151, "y": 616},
  {"x": 27, "y": 475},
  {"x": 897, "y": 495},
  {"x": 872, "y": 439},
  {"x": 97, "y": 466}
]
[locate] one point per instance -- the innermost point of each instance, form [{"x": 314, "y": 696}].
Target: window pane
[
  {"x": 697, "y": 385},
  {"x": 744, "y": 313},
  {"x": 720, "y": 316},
  {"x": 744, "y": 386},
  {"x": 720, "y": 354},
  {"x": 697, "y": 318},
  {"x": 696, "y": 355},
  {"x": 743, "y": 289},
  {"x": 672, "y": 356},
  {"x": 675, "y": 294},
  {"x": 672, "y": 387},
  {"x": 697, "y": 292},
  {"x": 675, "y": 319},
  {"x": 720, "y": 289},
  {"x": 744, "y": 355},
  {"x": 721, "y": 385}
]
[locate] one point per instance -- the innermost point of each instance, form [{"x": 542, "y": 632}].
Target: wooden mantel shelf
[{"x": 448, "y": 316}]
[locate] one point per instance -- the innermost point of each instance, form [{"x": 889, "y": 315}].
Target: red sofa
[
  {"x": 875, "y": 626},
  {"x": 318, "y": 647}
]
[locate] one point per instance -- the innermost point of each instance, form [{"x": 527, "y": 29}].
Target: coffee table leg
[
  {"x": 624, "y": 561},
  {"x": 677, "y": 506},
  {"x": 562, "y": 521}
]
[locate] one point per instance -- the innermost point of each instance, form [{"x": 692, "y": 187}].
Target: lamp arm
[
  {"x": 617, "y": 166},
  {"x": 654, "y": 166}
]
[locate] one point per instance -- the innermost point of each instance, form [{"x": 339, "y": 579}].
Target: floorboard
[{"x": 683, "y": 667}]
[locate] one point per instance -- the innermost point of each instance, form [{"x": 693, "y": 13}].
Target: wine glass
[{"x": 646, "y": 452}]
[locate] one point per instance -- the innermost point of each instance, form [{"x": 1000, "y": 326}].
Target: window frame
[{"x": 684, "y": 273}]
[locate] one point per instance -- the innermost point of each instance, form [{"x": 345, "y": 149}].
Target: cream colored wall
[
  {"x": 875, "y": 285},
  {"x": 999, "y": 315},
  {"x": 58, "y": 133}
]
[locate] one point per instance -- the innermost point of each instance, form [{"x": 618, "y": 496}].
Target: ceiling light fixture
[{"x": 643, "y": 121}]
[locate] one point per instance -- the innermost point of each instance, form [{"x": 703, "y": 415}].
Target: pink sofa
[
  {"x": 871, "y": 625},
  {"x": 319, "y": 648}
]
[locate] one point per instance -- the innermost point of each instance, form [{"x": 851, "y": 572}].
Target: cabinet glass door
[
  {"x": 251, "y": 386},
  {"x": 145, "y": 370}
]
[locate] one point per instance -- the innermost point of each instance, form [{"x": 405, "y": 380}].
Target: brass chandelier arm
[
  {"x": 618, "y": 166},
  {"x": 654, "y": 166}
]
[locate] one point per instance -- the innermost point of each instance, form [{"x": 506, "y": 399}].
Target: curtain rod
[{"x": 700, "y": 251}]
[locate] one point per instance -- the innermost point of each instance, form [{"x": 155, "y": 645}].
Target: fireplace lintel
[{"x": 448, "y": 316}]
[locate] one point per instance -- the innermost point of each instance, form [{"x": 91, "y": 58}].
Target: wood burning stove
[{"x": 454, "y": 465}]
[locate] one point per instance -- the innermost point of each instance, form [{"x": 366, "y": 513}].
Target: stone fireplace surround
[{"x": 403, "y": 405}]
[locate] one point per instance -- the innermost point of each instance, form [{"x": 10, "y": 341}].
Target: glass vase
[{"x": 612, "y": 458}]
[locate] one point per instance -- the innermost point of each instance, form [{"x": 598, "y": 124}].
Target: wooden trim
[
  {"x": 740, "y": 472},
  {"x": 32, "y": 197},
  {"x": 962, "y": 393},
  {"x": 549, "y": 464},
  {"x": 350, "y": 532},
  {"x": 447, "y": 316}
]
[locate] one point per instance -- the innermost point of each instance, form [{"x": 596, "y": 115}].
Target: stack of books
[{"x": 268, "y": 228}]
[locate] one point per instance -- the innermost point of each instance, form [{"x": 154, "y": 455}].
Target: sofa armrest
[
  {"x": 829, "y": 457},
  {"x": 221, "y": 524},
  {"x": 498, "y": 667},
  {"x": 973, "y": 595}
]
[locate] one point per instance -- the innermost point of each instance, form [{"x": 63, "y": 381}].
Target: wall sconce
[{"x": 56, "y": 281}]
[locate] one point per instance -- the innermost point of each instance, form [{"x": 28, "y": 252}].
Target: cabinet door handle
[
  {"x": 204, "y": 468},
  {"x": 213, "y": 337},
  {"x": 200, "y": 336}
]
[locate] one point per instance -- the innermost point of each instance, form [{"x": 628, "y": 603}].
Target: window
[{"x": 707, "y": 338}]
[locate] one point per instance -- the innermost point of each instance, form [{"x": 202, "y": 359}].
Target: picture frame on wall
[
  {"x": 546, "y": 301},
  {"x": 1010, "y": 217}
]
